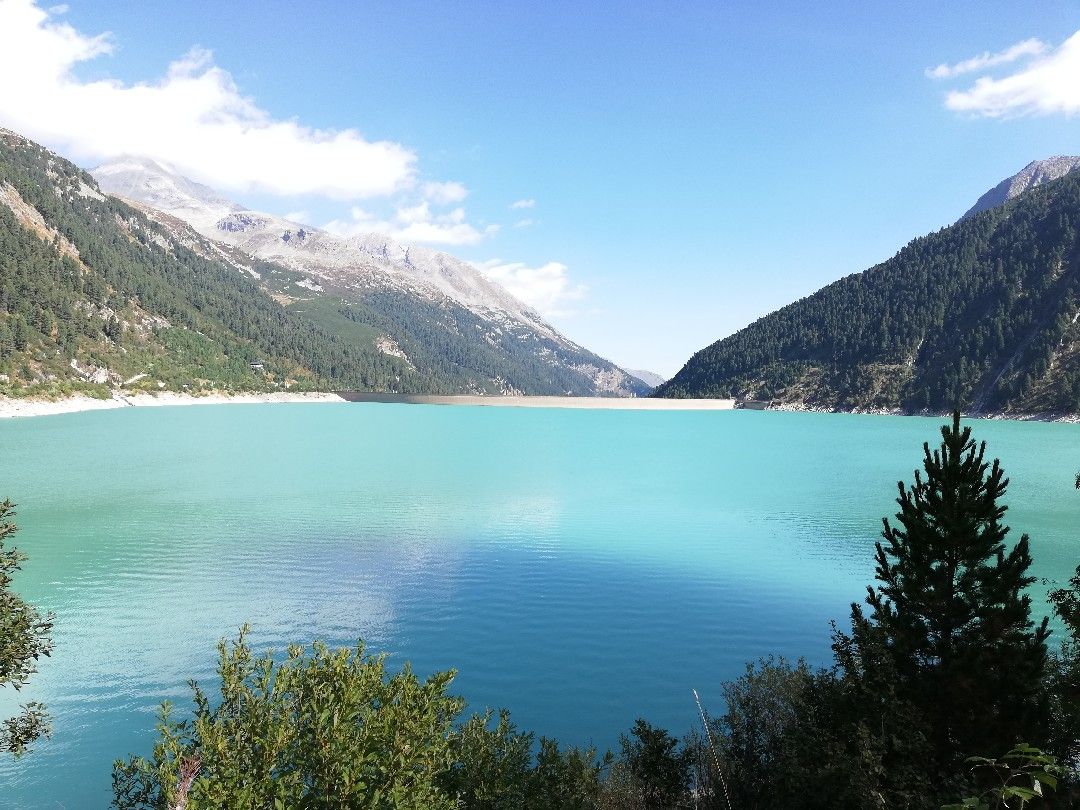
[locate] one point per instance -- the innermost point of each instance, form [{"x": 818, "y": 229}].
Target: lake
[{"x": 581, "y": 568}]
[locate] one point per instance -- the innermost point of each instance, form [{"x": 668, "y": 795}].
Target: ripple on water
[{"x": 581, "y": 568}]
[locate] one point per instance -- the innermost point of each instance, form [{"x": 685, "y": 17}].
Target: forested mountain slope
[
  {"x": 429, "y": 308},
  {"x": 96, "y": 294},
  {"x": 982, "y": 314}
]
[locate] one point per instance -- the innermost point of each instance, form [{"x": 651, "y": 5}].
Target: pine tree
[{"x": 951, "y": 608}]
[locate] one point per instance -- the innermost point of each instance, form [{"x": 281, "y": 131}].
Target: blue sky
[{"x": 692, "y": 166}]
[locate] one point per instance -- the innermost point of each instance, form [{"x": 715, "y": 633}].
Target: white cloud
[
  {"x": 524, "y": 223},
  {"x": 411, "y": 215},
  {"x": 546, "y": 288},
  {"x": 415, "y": 224},
  {"x": 194, "y": 117},
  {"x": 445, "y": 193},
  {"x": 529, "y": 203},
  {"x": 1047, "y": 85},
  {"x": 1029, "y": 47}
]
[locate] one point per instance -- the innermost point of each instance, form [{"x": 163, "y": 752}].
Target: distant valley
[{"x": 650, "y": 378}]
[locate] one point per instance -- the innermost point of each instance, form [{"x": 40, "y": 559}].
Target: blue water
[{"x": 581, "y": 568}]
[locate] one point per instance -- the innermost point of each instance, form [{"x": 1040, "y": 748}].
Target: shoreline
[
  {"x": 1049, "y": 416},
  {"x": 26, "y": 408},
  {"x": 581, "y": 403}
]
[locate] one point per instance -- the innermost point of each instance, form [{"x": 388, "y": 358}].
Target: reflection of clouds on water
[
  {"x": 148, "y": 622},
  {"x": 149, "y": 610},
  {"x": 134, "y": 624},
  {"x": 142, "y": 605},
  {"x": 527, "y": 520}
]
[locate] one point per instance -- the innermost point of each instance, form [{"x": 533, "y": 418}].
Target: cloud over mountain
[
  {"x": 195, "y": 117},
  {"x": 414, "y": 223},
  {"x": 1047, "y": 83},
  {"x": 546, "y": 288}
]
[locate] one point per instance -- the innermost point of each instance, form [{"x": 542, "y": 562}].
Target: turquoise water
[{"x": 581, "y": 568}]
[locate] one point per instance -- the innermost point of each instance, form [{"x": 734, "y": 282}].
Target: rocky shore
[{"x": 1048, "y": 416}]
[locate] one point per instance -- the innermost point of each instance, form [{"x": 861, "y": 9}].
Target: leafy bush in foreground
[
  {"x": 24, "y": 638},
  {"x": 333, "y": 728}
]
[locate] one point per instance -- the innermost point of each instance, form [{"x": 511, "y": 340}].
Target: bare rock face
[
  {"x": 158, "y": 186},
  {"x": 1034, "y": 174}
]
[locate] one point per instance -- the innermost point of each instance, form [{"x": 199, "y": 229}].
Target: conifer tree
[{"x": 951, "y": 608}]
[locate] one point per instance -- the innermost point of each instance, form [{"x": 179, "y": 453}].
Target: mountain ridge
[
  {"x": 983, "y": 314},
  {"x": 298, "y": 245},
  {"x": 96, "y": 292},
  {"x": 94, "y": 295},
  {"x": 382, "y": 275}
]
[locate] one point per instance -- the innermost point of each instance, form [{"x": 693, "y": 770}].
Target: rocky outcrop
[{"x": 1034, "y": 174}]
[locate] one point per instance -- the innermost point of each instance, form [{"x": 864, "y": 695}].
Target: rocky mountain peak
[
  {"x": 368, "y": 258},
  {"x": 311, "y": 302},
  {"x": 1034, "y": 174},
  {"x": 159, "y": 186}
]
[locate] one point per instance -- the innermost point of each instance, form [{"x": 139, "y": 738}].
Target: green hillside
[
  {"x": 458, "y": 350},
  {"x": 91, "y": 290},
  {"x": 96, "y": 294},
  {"x": 982, "y": 314}
]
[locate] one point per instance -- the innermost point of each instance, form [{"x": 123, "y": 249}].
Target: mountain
[
  {"x": 97, "y": 293},
  {"x": 158, "y": 186},
  {"x": 984, "y": 314},
  {"x": 1034, "y": 174},
  {"x": 94, "y": 295},
  {"x": 650, "y": 378},
  {"x": 432, "y": 310}
]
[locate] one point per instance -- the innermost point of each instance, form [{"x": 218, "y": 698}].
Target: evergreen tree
[
  {"x": 1064, "y": 677},
  {"x": 24, "y": 638},
  {"x": 951, "y": 609}
]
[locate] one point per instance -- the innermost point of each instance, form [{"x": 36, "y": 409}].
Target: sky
[{"x": 651, "y": 176}]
